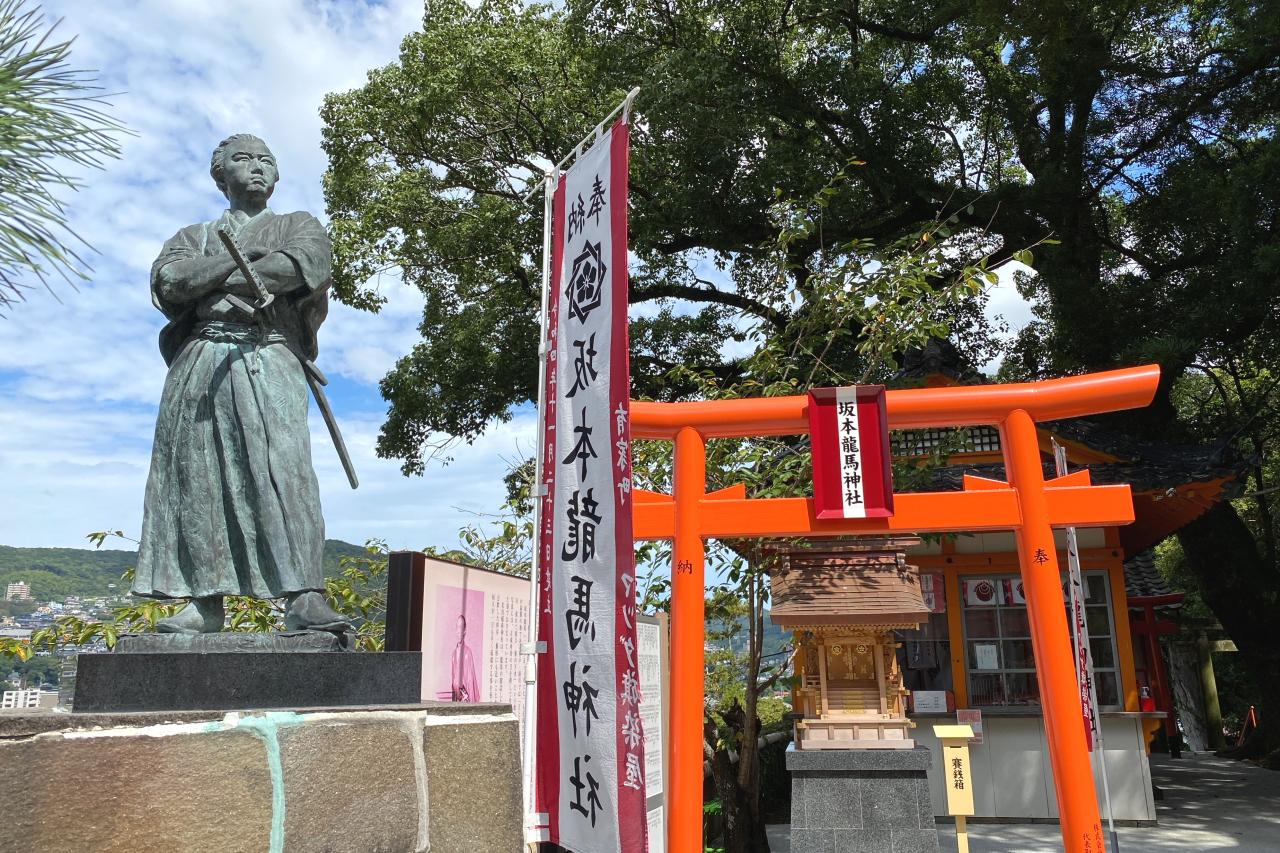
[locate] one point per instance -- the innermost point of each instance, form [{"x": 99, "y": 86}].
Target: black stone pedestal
[
  {"x": 239, "y": 680},
  {"x": 861, "y": 801}
]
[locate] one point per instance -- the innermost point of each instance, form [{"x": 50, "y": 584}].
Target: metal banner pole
[
  {"x": 623, "y": 109},
  {"x": 533, "y": 647}
]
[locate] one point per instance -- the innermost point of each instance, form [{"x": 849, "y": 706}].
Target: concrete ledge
[
  {"x": 351, "y": 781},
  {"x": 19, "y": 724},
  {"x": 948, "y": 820}
]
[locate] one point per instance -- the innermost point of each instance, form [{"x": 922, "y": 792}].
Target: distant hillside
[
  {"x": 55, "y": 573},
  {"x": 775, "y": 638}
]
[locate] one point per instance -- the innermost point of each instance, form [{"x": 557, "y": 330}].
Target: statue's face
[{"x": 249, "y": 170}]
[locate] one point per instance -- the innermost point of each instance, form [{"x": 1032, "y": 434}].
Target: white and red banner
[
  {"x": 1077, "y": 593},
  {"x": 852, "y": 474},
  {"x": 1014, "y": 592},
  {"x": 933, "y": 588},
  {"x": 590, "y": 786},
  {"x": 1080, "y": 641}
]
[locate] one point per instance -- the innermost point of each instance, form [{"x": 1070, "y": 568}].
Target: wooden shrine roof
[{"x": 847, "y": 583}]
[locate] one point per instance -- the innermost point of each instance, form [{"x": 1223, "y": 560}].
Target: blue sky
[{"x": 79, "y": 381}]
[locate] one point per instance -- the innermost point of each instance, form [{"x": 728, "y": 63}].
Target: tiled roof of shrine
[
  {"x": 846, "y": 584},
  {"x": 937, "y": 358},
  {"x": 1172, "y": 484},
  {"x": 1144, "y": 465},
  {"x": 1143, "y": 580}
]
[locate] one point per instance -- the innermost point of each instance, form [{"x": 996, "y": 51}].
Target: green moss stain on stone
[{"x": 266, "y": 727}]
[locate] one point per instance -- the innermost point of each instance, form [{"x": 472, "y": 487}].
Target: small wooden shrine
[{"x": 843, "y": 600}]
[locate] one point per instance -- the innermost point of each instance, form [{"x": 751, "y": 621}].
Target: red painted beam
[
  {"x": 962, "y": 405},
  {"x": 985, "y": 509}
]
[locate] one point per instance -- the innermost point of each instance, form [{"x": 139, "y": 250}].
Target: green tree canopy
[
  {"x": 1138, "y": 134},
  {"x": 1082, "y": 123},
  {"x": 430, "y": 159}
]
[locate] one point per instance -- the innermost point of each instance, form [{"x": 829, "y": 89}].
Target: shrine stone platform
[
  {"x": 861, "y": 801},
  {"x": 393, "y": 779}
]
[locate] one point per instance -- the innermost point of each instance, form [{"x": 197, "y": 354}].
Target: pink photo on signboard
[{"x": 459, "y": 644}]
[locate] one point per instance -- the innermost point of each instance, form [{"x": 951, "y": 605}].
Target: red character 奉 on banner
[
  {"x": 589, "y": 778},
  {"x": 852, "y": 473}
]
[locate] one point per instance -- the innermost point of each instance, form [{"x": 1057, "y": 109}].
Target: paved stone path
[{"x": 1210, "y": 804}]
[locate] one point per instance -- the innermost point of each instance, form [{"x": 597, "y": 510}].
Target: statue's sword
[{"x": 315, "y": 379}]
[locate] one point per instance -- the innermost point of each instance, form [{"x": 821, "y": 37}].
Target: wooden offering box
[{"x": 843, "y": 601}]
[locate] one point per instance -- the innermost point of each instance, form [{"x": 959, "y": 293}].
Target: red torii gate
[{"x": 1027, "y": 504}]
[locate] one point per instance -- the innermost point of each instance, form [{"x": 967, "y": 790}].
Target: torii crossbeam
[{"x": 1026, "y": 504}]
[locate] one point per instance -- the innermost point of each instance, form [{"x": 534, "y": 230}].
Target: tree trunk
[
  {"x": 743, "y": 817},
  {"x": 738, "y": 787},
  {"x": 747, "y": 834},
  {"x": 1243, "y": 591},
  {"x": 1188, "y": 698}
]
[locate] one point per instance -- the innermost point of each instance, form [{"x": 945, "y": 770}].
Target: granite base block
[
  {"x": 437, "y": 776},
  {"x": 861, "y": 801},
  {"x": 218, "y": 681}
]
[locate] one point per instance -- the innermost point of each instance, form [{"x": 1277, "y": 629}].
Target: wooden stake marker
[{"x": 959, "y": 781}]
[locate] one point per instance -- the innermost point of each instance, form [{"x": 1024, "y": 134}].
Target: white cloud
[
  {"x": 1006, "y": 303},
  {"x": 79, "y": 381},
  {"x": 429, "y": 510},
  {"x": 364, "y": 346}
]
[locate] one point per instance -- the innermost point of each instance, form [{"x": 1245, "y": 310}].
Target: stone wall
[{"x": 439, "y": 777}]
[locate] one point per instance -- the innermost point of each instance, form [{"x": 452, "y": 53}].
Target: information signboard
[
  {"x": 473, "y": 625},
  {"x": 971, "y": 717},
  {"x": 651, "y": 656}
]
